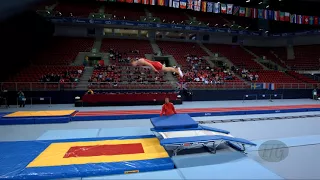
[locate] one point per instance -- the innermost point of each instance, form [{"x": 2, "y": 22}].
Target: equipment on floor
[{"x": 179, "y": 132}]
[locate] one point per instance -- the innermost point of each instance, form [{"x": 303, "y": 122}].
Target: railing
[{"x": 38, "y": 86}]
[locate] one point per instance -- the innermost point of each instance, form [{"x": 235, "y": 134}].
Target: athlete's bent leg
[{"x": 171, "y": 69}]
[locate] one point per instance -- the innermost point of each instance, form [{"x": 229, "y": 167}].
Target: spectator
[
  {"x": 90, "y": 91},
  {"x": 61, "y": 84},
  {"x": 21, "y": 99},
  {"x": 315, "y": 94},
  {"x": 168, "y": 108}
]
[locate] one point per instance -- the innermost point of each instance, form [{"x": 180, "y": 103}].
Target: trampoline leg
[
  {"x": 214, "y": 147},
  {"x": 176, "y": 150},
  {"x": 212, "y": 150}
]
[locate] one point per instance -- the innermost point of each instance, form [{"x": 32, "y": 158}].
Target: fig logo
[{"x": 273, "y": 151}]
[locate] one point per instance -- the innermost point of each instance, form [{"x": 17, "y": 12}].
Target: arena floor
[{"x": 299, "y": 131}]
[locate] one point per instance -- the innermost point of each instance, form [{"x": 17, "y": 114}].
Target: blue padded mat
[
  {"x": 238, "y": 166},
  {"x": 69, "y": 134},
  {"x": 169, "y": 174},
  {"x": 15, "y": 156},
  {"x": 34, "y": 120},
  {"x": 174, "y": 122}
]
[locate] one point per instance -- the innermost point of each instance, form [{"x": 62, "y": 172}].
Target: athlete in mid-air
[{"x": 155, "y": 66}]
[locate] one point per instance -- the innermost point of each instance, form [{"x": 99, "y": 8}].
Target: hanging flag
[
  {"x": 204, "y": 6},
  {"x": 260, "y": 13},
  {"x": 159, "y": 2},
  {"x": 242, "y": 11},
  {"x": 129, "y": 1},
  {"x": 286, "y": 16},
  {"x": 316, "y": 20},
  {"x": 190, "y": 4},
  {"x": 305, "y": 19},
  {"x": 145, "y": 1},
  {"x": 182, "y": 85},
  {"x": 209, "y": 6},
  {"x": 236, "y": 10},
  {"x": 311, "y": 20},
  {"x": 276, "y": 15},
  {"x": 248, "y": 12},
  {"x": 281, "y": 16},
  {"x": 121, "y": 0},
  {"x": 183, "y": 4},
  {"x": 265, "y": 14},
  {"x": 216, "y": 8},
  {"x": 175, "y": 4},
  {"x": 167, "y": 3},
  {"x": 299, "y": 19},
  {"x": 197, "y": 5},
  {"x": 223, "y": 8},
  {"x": 270, "y": 14},
  {"x": 229, "y": 8},
  {"x": 293, "y": 18},
  {"x": 254, "y": 13}
]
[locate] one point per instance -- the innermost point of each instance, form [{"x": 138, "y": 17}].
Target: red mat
[
  {"x": 193, "y": 110},
  {"x": 104, "y": 150}
]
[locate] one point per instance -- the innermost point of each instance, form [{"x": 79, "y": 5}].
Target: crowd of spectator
[
  {"x": 138, "y": 74},
  {"x": 247, "y": 75},
  {"x": 122, "y": 57},
  {"x": 67, "y": 76},
  {"x": 200, "y": 71},
  {"x": 107, "y": 73}
]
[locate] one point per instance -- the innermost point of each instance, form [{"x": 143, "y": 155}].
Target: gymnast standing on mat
[
  {"x": 168, "y": 108},
  {"x": 155, "y": 66}
]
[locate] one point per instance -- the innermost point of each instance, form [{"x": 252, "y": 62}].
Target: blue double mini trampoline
[{"x": 179, "y": 132}]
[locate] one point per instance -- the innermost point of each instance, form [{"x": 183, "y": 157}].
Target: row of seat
[{"x": 146, "y": 97}]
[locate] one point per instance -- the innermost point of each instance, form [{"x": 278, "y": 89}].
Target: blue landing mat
[
  {"x": 36, "y": 117},
  {"x": 15, "y": 157},
  {"x": 174, "y": 122},
  {"x": 228, "y": 165}
]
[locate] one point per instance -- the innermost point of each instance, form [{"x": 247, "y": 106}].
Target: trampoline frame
[{"x": 211, "y": 146}]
